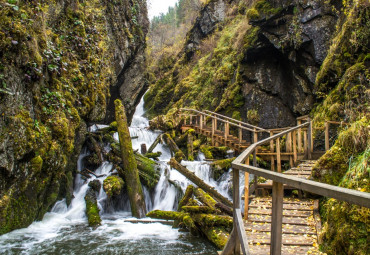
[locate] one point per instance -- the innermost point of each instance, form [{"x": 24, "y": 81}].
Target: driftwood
[{"x": 196, "y": 180}]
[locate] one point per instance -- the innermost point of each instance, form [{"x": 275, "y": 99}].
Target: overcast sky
[{"x": 155, "y": 7}]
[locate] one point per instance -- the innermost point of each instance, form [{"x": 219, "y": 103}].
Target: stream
[{"x": 64, "y": 230}]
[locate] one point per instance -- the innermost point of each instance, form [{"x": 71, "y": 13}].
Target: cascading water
[{"x": 64, "y": 230}]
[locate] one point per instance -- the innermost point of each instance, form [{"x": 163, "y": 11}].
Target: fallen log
[
  {"x": 130, "y": 173},
  {"x": 153, "y": 155},
  {"x": 197, "y": 181},
  {"x": 154, "y": 144},
  {"x": 188, "y": 194},
  {"x": 225, "y": 209},
  {"x": 198, "y": 209},
  {"x": 179, "y": 155},
  {"x": 214, "y": 220}
]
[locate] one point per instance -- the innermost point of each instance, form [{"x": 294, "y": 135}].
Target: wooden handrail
[
  {"x": 241, "y": 158},
  {"x": 226, "y": 121},
  {"x": 331, "y": 191},
  {"x": 237, "y": 121},
  {"x": 222, "y": 120}
]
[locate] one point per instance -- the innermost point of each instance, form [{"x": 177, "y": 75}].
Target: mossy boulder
[
  {"x": 95, "y": 185},
  {"x": 113, "y": 185},
  {"x": 92, "y": 209}
]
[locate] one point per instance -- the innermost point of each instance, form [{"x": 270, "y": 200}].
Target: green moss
[
  {"x": 92, "y": 210},
  {"x": 207, "y": 153},
  {"x": 36, "y": 164},
  {"x": 253, "y": 14},
  {"x": 113, "y": 185}
]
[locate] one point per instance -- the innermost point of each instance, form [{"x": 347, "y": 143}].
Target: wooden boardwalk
[{"x": 301, "y": 220}]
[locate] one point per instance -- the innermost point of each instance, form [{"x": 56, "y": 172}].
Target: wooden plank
[
  {"x": 286, "y": 250},
  {"x": 276, "y": 218},
  {"x": 316, "y": 215},
  {"x": 287, "y": 239},
  {"x": 289, "y": 213},
  {"x": 295, "y": 157},
  {"x": 285, "y": 206},
  {"x": 287, "y": 228},
  {"x": 287, "y": 200},
  {"x": 285, "y": 220}
]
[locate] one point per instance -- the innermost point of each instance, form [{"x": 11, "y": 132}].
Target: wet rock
[
  {"x": 95, "y": 185},
  {"x": 113, "y": 185}
]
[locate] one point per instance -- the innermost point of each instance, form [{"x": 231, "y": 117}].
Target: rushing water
[{"x": 64, "y": 230}]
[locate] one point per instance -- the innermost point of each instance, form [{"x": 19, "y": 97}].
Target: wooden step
[
  {"x": 288, "y": 239},
  {"x": 287, "y": 228},
  {"x": 286, "y": 250},
  {"x": 285, "y": 206},
  {"x": 286, "y": 220},
  {"x": 290, "y": 213}
]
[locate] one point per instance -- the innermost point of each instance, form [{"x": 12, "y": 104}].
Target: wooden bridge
[{"x": 272, "y": 225}]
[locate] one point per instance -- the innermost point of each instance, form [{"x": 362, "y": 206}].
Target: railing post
[
  {"x": 289, "y": 148},
  {"x": 236, "y": 205},
  {"x": 278, "y": 156},
  {"x": 299, "y": 137},
  {"x": 255, "y": 139},
  {"x": 226, "y": 131},
  {"x": 327, "y": 146},
  {"x": 246, "y": 191},
  {"x": 295, "y": 157},
  {"x": 213, "y": 131},
  {"x": 240, "y": 133},
  {"x": 309, "y": 140},
  {"x": 191, "y": 120},
  {"x": 276, "y": 218},
  {"x": 201, "y": 121},
  {"x": 272, "y": 158}
]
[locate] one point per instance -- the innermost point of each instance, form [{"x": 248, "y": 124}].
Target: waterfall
[{"x": 64, "y": 229}]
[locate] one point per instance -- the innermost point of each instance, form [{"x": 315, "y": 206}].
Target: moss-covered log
[
  {"x": 179, "y": 155},
  {"x": 199, "y": 182},
  {"x": 130, "y": 173},
  {"x": 213, "y": 220},
  {"x": 198, "y": 209},
  {"x": 190, "y": 146},
  {"x": 153, "y": 155},
  {"x": 219, "y": 167},
  {"x": 205, "y": 198},
  {"x": 154, "y": 144},
  {"x": 92, "y": 209},
  {"x": 185, "y": 199},
  {"x": 166, "y": 215},
  {"x": 217, "y": 235}
]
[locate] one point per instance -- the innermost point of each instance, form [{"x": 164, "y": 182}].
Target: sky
[{"x": 155, "y": 7}]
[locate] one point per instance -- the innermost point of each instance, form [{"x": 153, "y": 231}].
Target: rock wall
[
  {"x": 253, "y": 60},
  {"x": 60, "y": 65}
]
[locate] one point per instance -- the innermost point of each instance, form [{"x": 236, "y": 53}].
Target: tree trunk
[
  {"x": 196, "y": 180},
  {"x": 130, "y": 172}
]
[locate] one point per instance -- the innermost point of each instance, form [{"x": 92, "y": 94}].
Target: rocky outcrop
[
  {"x": 261, "y": 61},
  {"x": 59, "y": 63}
]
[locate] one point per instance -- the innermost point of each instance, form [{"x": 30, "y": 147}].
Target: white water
[{"x": 64, "y": 230}]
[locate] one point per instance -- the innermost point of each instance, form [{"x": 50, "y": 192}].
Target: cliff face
[
  {"x": 62, "y": 63},
  {"x": 257, "y": 58}
]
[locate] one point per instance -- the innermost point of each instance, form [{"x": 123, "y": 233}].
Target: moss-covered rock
[
  {"x": 92, "y": 209},
  {"x": 113, "y": 185}
]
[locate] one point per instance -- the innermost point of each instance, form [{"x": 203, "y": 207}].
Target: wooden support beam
[
  {"x": 278, "y": 156},
  {"x": 240, "y": 134},
  {"x": 305, "y": 143},
  {"x": 327, "y": 146},
  {"x": 226, "y": 130},
  {"x": 236, "y": 205},
  {"x": 272, "y": 149},
  {"x": 295, "y": 156},
  {"x": 246, "y": 192},
  {"x": 276, "y": 218},
  {"x": 309, "y": 141},
  {"x": 201, "y": 121},
  {"x": 289, "y": 147},
  {"x": 299, "y": 122}
]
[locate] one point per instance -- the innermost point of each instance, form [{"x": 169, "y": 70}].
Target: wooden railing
[{"x": 238, "y": 239}]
